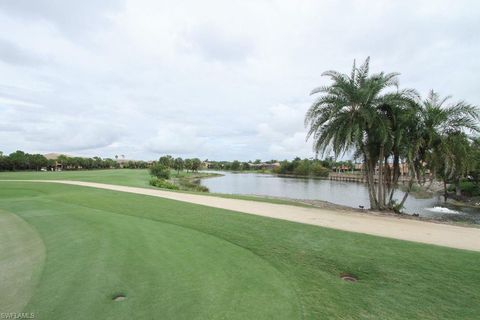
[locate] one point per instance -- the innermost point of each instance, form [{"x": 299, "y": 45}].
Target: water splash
[{"x": 443, "y": 210}]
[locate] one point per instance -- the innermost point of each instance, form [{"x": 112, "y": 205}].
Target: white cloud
[
  {"x": 284, "y": 133},
  {"x": 215, "y": 79},
  {"x": 175, "y": 139},
  {"x": 214, "y": 44}
]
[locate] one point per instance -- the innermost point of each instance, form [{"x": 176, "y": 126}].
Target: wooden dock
[
  {"x": 358, "y": 177},
  {"x": 349, "y": 177}
]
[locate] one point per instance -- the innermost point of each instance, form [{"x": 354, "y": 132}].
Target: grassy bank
[
  {"x": 175, "y": 260},
  {"x": 190, "y": 181}
]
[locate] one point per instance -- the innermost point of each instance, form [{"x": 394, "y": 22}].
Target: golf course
[{"x": 75, "y": 252}]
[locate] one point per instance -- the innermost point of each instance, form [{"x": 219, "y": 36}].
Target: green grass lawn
[
  {"x": 67, "y": 250},
  {"x": 124, "y": 177},
  {"x": 128, "y": 177}
]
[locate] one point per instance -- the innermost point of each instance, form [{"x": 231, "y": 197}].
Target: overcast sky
[{"x": 213, "y": 79}]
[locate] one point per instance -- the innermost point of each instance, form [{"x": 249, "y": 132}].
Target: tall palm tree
[
  {"x": 445, "y": 142},
  {"x": 352, "y": 115},
  {"x": 439, "y": 121},
  {"x": 400, "y": 117}
]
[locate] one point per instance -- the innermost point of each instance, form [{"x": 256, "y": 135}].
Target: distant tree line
[
  {"x": 298, "y": 166},
  {"x": 19, "y": 160},
  {"x": 236, "y": 165},
  {"x": 179, "y": 164},
  {"x": 77, "y": 163},
  {"x": 133, "y": 164}
]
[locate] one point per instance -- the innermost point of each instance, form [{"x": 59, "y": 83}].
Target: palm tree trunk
[
  {"x": 396, "y": 176},
  {"x": 458, "y": 190},
  {"x": 405, "y": 196},
  {"x": 432, "y": 179},
  {"x": 445, "y": 191},
  {"x": 371, "y": 188},
  {"x": 381, "y": 182},
  {"x": 389, "y": 186},
  {"x": 370, "y": 182}
]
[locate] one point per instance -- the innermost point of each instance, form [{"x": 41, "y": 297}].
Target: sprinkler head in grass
[
  {"x": 119, "y": 297},
  {"x": 348, "y": 277}
]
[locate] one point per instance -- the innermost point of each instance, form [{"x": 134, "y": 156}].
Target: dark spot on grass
[
  {"x": 348, "y": 277},
  {"x": 119, "y": 297}
]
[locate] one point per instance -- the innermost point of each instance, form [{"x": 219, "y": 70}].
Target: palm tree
[
  {"x": 400, "y": 117},
  {"x": 457, "y": 159},
  {"x": 385, "y": 127},
  {"x": 356, "y": 113},
  {"x": 445, "y": 144}
]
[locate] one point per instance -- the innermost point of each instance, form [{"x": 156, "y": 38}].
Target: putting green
[
  {"x": 165, "y": 271},
  {"x": 22, "y": 255}
]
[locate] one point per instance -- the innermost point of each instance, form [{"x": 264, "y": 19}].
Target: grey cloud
[
  {"x": 13, "y": 54},
  {"x": 72, "y": 17},
  {"x": 71, "y": 135},
  {"x": 41, "y": 127}
]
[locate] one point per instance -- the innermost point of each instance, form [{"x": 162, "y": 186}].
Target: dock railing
[{"x": 358, "y": 177}]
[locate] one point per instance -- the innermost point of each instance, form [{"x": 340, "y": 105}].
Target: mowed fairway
[
  {"x": 124, "y": 177},
  {"x": 68, "y": 250}
]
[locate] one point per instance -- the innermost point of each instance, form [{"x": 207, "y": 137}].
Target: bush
[
  {"x": 302, "y": 169},
  {"x": 192, "y": 185},
  {"x": 319, "y": 171},
  {"x": 160, "y": 183},
  {"x": 468, "y": 188},
  {"x": 160, "y": 171},
  {"x": 200, "y": 188}
]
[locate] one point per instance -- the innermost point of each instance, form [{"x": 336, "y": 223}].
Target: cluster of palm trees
[{"x": 387, "y": 127}]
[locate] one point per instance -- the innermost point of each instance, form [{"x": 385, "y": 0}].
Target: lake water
[{"x": 338, "y": 192}]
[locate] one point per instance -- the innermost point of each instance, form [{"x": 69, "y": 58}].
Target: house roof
[{"x": 54, "y": 156}]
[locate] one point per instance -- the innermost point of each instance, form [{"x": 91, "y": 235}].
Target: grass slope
[{"x": 177, "y": 260}]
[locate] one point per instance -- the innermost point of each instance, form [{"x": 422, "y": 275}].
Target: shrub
[
  {"x": 319, "y": 171},
  {"x": 468, "y": 188},
  {"x": 161, "y": 183},
  {"x": 160, "y": 171},
  {"x": 302, "y": 169},
  {"x": 200, "y": 188},
  {"x": 192, "y": 185}
]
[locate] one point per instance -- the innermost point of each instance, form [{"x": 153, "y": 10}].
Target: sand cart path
[{"x": 459, "y": 237}]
